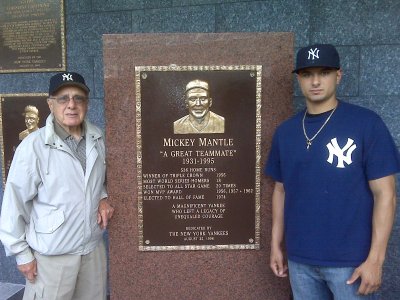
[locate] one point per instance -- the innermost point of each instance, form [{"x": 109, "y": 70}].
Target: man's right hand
[
  {"x": 278, "y": 263},
  {"x": 29, "y": 270}
]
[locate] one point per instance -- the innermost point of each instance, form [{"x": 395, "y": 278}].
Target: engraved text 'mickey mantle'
[{"x": 202, "y": 142}]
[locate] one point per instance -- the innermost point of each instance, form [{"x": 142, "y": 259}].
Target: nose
[
  {"x": 315, "y": 80},
  {"x": 71, "y": 104}
]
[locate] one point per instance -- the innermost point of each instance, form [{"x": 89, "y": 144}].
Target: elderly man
[
  {"x": 54, "y": 206},
  {"x": 31, "y": 114},
  {"x": 200, "y": 119}
]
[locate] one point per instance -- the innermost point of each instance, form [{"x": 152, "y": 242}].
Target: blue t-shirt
[{"x": 328, "y": 202}]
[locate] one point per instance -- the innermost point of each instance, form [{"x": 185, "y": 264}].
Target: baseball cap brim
[
  {"x": 316, "y": 66},
  {"x": 77, "y": 84}
]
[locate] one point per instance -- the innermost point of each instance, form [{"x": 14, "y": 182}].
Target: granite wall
[{"x": 366, "y": 34}]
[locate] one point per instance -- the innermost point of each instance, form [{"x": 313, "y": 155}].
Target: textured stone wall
[{"x": 366, "y": 34}]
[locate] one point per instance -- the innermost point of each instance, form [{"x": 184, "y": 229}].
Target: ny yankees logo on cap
[
  {"x": 313, "y": 53},
  {"x": 67, "y": 77}
]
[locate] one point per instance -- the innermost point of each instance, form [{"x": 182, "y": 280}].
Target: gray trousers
[{"x": 67, "y": 277}]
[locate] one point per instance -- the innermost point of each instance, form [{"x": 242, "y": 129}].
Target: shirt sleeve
[
  {"x": 381, "y": 156},
  {"x": 104, "y": 192},
  {"x": 273, "y": 165}
]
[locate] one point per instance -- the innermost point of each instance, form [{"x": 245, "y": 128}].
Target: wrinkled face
[
  {"x": 69, "y": 107},
  {"x": 198, "y": 102},
  {"x": 31, "y": 120},
  {"x": 319, "y": 84}
]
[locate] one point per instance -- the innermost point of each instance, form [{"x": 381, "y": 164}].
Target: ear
[
  {"x": 338, "y": 76},
  {"x": 210, "y": 100},
  {"x": 50, "y": 104}
]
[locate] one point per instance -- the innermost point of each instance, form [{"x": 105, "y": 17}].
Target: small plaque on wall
[
  {"x": 32, "y": 36},
  {"x": 20, "y": 115},
  {"x": 198, "y": 156}
]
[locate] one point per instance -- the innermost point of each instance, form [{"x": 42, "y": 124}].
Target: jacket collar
[{"x": 92, "y": 132}]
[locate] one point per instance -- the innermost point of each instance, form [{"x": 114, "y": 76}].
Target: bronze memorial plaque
[
  {"x": 32, "y": 36},
  {"x": 198, "y": 153},
  {"x": 20, "y": 114}
]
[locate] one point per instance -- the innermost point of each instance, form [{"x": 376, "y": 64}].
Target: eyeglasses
[{"x": 78, "y": 99}]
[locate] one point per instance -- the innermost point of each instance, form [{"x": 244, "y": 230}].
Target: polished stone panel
[
  {"x": 215, "y": 274},
  {"x": 380, "y": 70},
  {"x": 179, "y": 19},
  {"x": 268, "y": 16},
  {"x": 355, "y": 22}
]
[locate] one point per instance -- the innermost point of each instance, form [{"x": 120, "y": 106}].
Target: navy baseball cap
[
  {"x": 67, "y": 79},
  {"x": 317, "y": 55}
]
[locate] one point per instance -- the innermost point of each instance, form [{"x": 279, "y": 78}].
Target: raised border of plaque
[
  {"x": 14, "y": 111},
  {"x": 239, "y": 221},
  {"x": 42, "y": 25}
]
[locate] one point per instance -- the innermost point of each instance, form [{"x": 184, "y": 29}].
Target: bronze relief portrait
[
  {"x": 31, "y": 114},
  {"x": 200, "y": 118},
  {"x": 20, "y": 115}
]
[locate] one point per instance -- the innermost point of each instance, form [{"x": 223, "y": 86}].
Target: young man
[
  {"x": 54, "y": 206},
  {"x": 334, "y": 196}
]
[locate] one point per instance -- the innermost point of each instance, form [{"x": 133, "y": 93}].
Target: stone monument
[{"x": 189, "y": 121}]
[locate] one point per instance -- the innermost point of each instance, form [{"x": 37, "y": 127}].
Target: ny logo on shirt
[{"x": 335, "y": 150}]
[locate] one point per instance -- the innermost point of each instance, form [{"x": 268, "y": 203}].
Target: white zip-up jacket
[{"x": 49, "y": 204}]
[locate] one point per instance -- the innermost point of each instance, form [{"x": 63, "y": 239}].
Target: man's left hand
[
  {"x": 104, "y": 213},
  {"x": 371, "y": 277}
]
